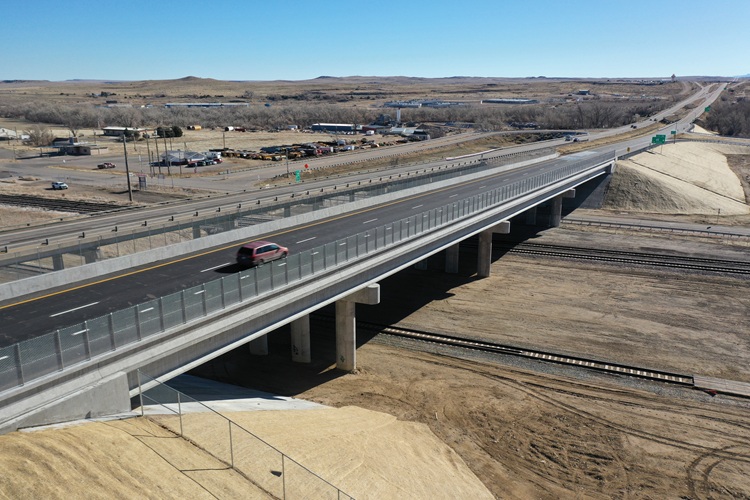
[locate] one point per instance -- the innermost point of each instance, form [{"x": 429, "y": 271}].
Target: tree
[{"x": 39, "y": 136}]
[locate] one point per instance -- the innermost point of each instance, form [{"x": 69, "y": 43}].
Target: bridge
[
  {"x": 192, "y": 304},
  {"x": 90, "y": 367}
]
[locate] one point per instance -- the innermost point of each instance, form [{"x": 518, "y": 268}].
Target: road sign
[
  {"x": 707, "y": 109},
  {"x": 673, "y": 132},
  {"x": 297, "y": 177},
  {"x": 659, "y": 139}
]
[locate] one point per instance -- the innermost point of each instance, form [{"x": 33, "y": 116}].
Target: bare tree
[{"x": 39, "y": 136}]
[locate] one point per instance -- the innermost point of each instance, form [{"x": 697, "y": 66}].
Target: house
[{"x": 118, "y": 131}]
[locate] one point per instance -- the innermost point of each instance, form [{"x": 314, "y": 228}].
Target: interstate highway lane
[{"x": 38, "y": 315}]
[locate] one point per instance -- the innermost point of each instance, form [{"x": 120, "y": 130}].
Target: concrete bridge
[{"x": 90, "y": 367}]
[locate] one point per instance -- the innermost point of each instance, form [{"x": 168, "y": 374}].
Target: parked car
[
  {"x": 106, "y": 164},
  {"x": 259, "y": 252},
  {"x": 59, "y": 185}
]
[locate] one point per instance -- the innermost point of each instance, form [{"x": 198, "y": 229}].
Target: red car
[{"x": 259, "y": 252}]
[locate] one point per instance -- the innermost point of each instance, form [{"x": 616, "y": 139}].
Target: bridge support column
[
  {"x": 90, "y": 255},
  {"x": 555, "y": 216},
  {"x": 196, "y": 232},
  {"x": 484, "y": 257},
  {"x": 301, "y": 339},
  {"x": 531, "y": 216},
  {"x": 287, "y": 211},
  {"x": 451, "y": 259},
  {"x": 346, "y": 320},
  {"x": 57, "y": 262},
  {"x": 259, "y": 346},
  {"x": 353, "y": 196}
]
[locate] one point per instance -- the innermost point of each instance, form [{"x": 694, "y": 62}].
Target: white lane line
[
  {"x": 418, "y": 206},
  {"x": 71, "y": 310},
  {"x": 147, "y": 310},
  {"x": 453, "y": 196},
  {"x": 308, "y": 239},
  {"x": 199, "y": 292},
  {"x": 282, "y": 264},
  {"x": 78, "y": 332},
  {"x": 315, "y": 253},
  {"x": 4, "y": 357},
  {"x": 368, "y": 221},
  {"x": 480, "y": 187},
  {"x": 244, "y": 277},
  {"x": 216, "y": 267},
  {"x": 342, "y": 244}
]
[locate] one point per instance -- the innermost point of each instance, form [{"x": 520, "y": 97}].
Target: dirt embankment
[{"x": 523, "y": 433}]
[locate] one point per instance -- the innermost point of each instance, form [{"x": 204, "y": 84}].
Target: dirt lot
[{"x": 524, "y": 430}]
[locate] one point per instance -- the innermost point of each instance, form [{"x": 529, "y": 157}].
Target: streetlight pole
[{"x": 127, "y": 168}]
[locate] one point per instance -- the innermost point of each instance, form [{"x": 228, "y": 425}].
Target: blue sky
[{"x": 297, "y": 39}]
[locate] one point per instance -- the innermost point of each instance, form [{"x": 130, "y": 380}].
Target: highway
[
  {"x": 237, "y": 187},
  {"x": 33, "y": 316},
  {"x": 29, "y": 317}
]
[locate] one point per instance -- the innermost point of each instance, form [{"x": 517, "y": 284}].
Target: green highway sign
[
  {"x": 673, "y": 132},
  {"x": 708, "y": 108},
  {"x": 659, "y": 139}
]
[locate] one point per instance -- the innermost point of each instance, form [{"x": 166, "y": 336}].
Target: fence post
[
  {"x": 179, "y": 410},
  {"x": 58, "y": 349},
  {"x": 19, "y": 363}
]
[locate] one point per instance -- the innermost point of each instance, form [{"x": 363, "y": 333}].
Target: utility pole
[
  {"x": 127, "y": 169},
  {"x": 287, "y": 163}
]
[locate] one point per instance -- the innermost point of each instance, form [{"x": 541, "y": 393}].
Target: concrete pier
[
  {"x": 484, "y": 255},
  {"x": 451, "y": 259},
  {"x": 301, "y": 339},
  {"x": 259, "y": 346},
  {"x": 346, "y": 320}
]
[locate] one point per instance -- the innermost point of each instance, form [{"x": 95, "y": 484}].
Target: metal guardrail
[
  {"x": 85, "y": 342},
  {"x": 270, "y": 469},
  {"x": 111, "y": 242}
]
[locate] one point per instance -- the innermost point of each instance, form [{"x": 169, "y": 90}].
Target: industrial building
[{"x": 336, "y": 127}]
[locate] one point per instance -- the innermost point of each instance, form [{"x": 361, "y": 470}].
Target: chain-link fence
[
  {"x": 268, "y": 468},
  {"x": 83, "y": 342}
]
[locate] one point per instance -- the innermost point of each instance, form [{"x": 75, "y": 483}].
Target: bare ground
[{"x": 524, "y": 430}]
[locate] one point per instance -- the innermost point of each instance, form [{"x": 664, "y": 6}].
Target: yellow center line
[{"x": 270, "y": 235}]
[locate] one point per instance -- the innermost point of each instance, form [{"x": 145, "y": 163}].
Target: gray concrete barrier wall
[{"x": 16, "y": 289}]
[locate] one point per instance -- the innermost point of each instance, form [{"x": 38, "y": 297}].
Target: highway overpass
[
  {"x": 72, "y": 351},
  {"x": 184, "y": 315}
]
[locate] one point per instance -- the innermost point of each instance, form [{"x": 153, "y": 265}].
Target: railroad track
[
  {"x": 561, "y": 359},
  {"x": 59, "y": 205},
  {"x": 632, "y": 258}
]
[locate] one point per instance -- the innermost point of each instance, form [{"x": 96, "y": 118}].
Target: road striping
[
  {"x": 270, "y": 235},
  {"x": 79, "y": 332},
  {"x": 216, "y": 267},
  {"x": 453, "y": 196},
  {"x": 368, "y": 221},
  {"x": 71, "y": 310},
  {"x": 199, "y": 292},
  {"x": 308, "y": 239},
  {"x": 146, "y": 310},
  {"x": 418, "y": 206}
]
